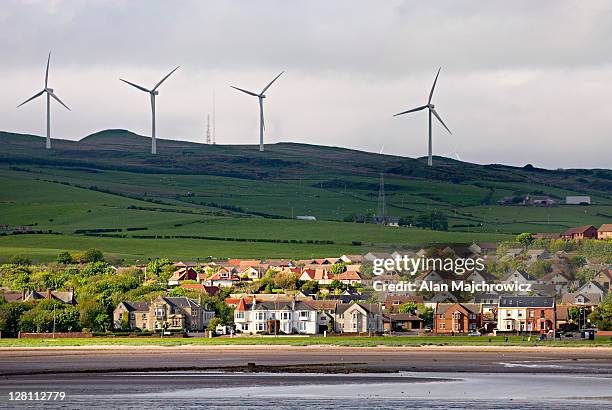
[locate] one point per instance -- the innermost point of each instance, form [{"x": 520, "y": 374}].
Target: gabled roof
[
  {"x": 209, "y": 290},
  {"x": 181, "y": 301},
  {"x": 605, "y": 228},
  {"x": 522, "y": 273},
  {"x": 526, "y": 301},
  {"x": 349, "y": 275},
  {"x": 578, "y": 230},
  {"x": 594, "y": 298},
  {"x": 469, "y": 307},
  {"x": 137, "y": 306}
]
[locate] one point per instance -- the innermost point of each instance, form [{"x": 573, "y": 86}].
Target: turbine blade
[
  {"x": 433, "y": 86},
  {"x": 164, "y": 79},
  {"x": 135, "y": 85},
  {"x": 440, "y": 119},
  {"x": 271, "y": 82},
  {"x": 245, "y": 91},
  {"x": 59, "y": 101},
  {"x": 47, "y": 72},
  {"x": 412, "y": 110},
  {"x": 31, "y": 98}
]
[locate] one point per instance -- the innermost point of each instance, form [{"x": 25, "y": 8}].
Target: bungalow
[
  {"x": 604, "y": 231},
  {"x": 526, "y": 313},
  {"x": 358, "y": 317},
  {"x": 456, "y": 318},
  {"x": 183, "y": 274},
  {"x": 275, "y": 317},
  {"x": 400, "y": 322},
  {"x": 581, "y": 232}
]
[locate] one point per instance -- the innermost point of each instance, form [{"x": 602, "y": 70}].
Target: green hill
[{"x": 221, "y": 196}]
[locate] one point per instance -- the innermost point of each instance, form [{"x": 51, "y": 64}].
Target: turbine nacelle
[
  {"x": 431, "y": 106},
  {"x": 155, "y": 92},
  {"x": 49, "y": 90}
]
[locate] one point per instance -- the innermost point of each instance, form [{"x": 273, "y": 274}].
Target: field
[
  {"x": 197, "y": 200},
  {"x": 390, "y": 341}
]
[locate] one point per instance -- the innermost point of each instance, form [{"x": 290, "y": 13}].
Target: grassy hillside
[{"x": 221, "y": 195}]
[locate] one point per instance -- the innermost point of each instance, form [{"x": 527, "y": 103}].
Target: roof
[
  {"x": 368, "y": 307},
  {"x": 402, "y": 317},
  {"x": 209, "y": 290},
  {"x": 470, "y": 307},
  {"x": 322, "y": 304},
  {"x": 524, "y": 274},
  {"x": 348, "y": 275},
  {"x": 181, "y": 301},
  {"x": 279, "y": 305},
  {"x": 137, "y": 306},
  {"x": 593, "y": 298},
  {"x": 59, "y": 295},
  {"x": 526, "y": 301},
  {"x": 578, "y": 230},
  {"x": 10, "y": 296},
  {"x": 389, "y": 301},
  {"x": 605, "y": 228}
]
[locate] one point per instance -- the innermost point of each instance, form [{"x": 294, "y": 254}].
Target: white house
[{"x": 278, "y": 317}]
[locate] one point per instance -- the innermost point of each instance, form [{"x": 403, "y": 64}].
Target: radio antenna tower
[
  {"x": 208, "y": 129},
  {"x": 214, "y": 132},
  {"x": 381, "y": 197}
]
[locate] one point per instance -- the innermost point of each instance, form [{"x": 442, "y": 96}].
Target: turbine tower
[
  {"x": 261, "y": 97},
  {"x": 50, "y": 94},
  {"x": 153, "y": 92},
  {"x": 432, "y": 110}
]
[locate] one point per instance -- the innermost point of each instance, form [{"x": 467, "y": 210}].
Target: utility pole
[
  {"x": 208, "y": 140},
  {"x": 53, "y": 336}
]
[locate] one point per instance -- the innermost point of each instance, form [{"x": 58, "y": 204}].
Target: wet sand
[{"x": 300, "y": 359}]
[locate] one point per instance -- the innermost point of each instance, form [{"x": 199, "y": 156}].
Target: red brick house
[
  {"x": 581, "y": 232},
  {"x": 457, "y": 318},
  {"x": 526, "y": 314}
]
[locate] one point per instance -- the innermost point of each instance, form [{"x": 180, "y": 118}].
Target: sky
[{"x": 522, "y": 82}]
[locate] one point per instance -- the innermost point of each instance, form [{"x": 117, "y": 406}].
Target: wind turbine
[
  {"x": 432, "y": 110},
  {"x": 50, "y": 94},
  {"x": 261, "y": 97},
  {"x": 153, "y": 92}
]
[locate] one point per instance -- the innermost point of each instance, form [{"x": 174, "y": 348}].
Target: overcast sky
[{"x": 521, "y": 82}]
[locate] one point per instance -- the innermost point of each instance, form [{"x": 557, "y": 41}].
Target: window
[
  {"x": 132, "y": 316},
  {"x": 260, "y": 327},
  {"x": 245, "y": 326},
  {"x": 302, "y": 326},
  {"x": 304, "y": 314},
  {"x": 442, "y": 325},
  {"x": 239, "y": 315},
  {"x": 472, "y": 316},
  {"x": 472, "y": 326},
  {"x": 285, "y": 315},
  {"x": 520, "y": 313},
  {"x": 272, "y": 315},
  {"x": 441, "y": 316},
  {"x": 457, "y": 315},
  {"x": 507, "y": 326},
  {"x": 531, "y": 313},
  {"x": 144, "y": 316},
  {"x": 160, "y": 311},
  {"x": 542, "y": 316},
  {"x": 508, "y": 313},
  {"x": 260, "y": 316},
  {"x": 396, "y": 302}
]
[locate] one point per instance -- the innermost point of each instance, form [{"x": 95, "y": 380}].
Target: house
[
  {"x": 223, "y": 278},
  {"x": 400, "y": 322},
  {"x": 537, "y": 255},
  {"x": 372, "y": 256},
  {"x": 526, "y": 314},
  {"x": 176, "y": 314},
  {"x": 604, "y": 231},
  {"x": 182, "y": 274},
  {"x": 358, "y": 317},
  {"x": 559, "y": 279},
  {"x": 582, "y": 298},
  {"x": 539, "y": 200},
  {"x": 443, "y": 297},
  {"x": 252, "y": 273},
  {"x": 325, "y": 311},
  {"x": 479, "y": 276},
  {"x": 513, "y": 252},
  {"x": 349, "y": 277},
  {"x": 562, "y": 316},
  {"x": 592, "y": 287},
  {"x": 580, "y": 232},
  {"x": 432, "y": 276},
  {"x": 64, "y": 296},
  {"x": 518, "y": 276},
  {"x": 352, "y": 258},
  {"x": 578, "y": 200},
  {"x": 604, "y": 279},
  {"x": 275, "y": 317},
  {"x": 453, "y": 318}
]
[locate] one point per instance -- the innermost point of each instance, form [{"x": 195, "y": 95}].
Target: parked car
[{"x": 475, "y": 333}]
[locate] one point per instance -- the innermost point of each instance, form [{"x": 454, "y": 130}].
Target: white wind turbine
[
  {"x": 153, "y": 92},
  {"x": 50, "y": 94},
  {"x": 432, "y": 110},
  {"x": 260, "y": 96}
]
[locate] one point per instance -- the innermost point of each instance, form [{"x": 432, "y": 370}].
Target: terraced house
[{"x": 526, "y": 314}]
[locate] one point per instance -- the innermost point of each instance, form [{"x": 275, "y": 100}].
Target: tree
[
  {"x": 310, "y": 286},
  {"x": 19, "y": 260},
  {"x": 335, "y": 284},
  {"x": 93, "y": 255},
  {"x": 408, "y": 307},
  {"x": 427, "y": 314},
  {"x": 65, "y": 258},
  {"x": 338, "y": 268},
  {"x": 434, "y": 220},
  {"x": 602, "y": 315},
  {"x": 525, "y": 239},
  {"x": 285, "y": 280},
  {"x": 574, "y": 314},
  {"x": 214, "y": 322},
  {"x": 585, "y": 274}
]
